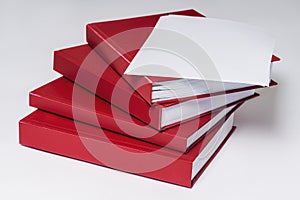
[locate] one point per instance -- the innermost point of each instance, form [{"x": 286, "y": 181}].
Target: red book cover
[
  {"x": 63, "y": 136},
  {"x": 118, "y": 41},
  {"x": 82, "y": 65},
  {"x": 56, "y": 97}
]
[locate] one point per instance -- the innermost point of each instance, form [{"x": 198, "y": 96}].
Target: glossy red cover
[
  {"x": 56, "y": 97},
  {"x": 113, "y": 39},
  {"x": 51, "y": 133},
  {"x": 82, "y": 65}
]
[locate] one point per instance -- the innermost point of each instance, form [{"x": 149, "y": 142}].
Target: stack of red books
[{"x": 149, "y": 126}]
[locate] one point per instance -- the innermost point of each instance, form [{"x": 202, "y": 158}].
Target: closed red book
[
  {"x": 58, "y": 135},
  {"x": 118, "y": 41},
  {"x": 82, "y": 65},
  {"x": 56, "y": 97}
]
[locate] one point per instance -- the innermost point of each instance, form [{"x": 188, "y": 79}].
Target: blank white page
[{"x": 206, "y": 49}]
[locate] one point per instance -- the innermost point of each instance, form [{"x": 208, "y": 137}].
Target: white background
[{"x": 260, "y": 161}]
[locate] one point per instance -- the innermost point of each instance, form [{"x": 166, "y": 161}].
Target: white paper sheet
[{"x": 206, "y": 49}]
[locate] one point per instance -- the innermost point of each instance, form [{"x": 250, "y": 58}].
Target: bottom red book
[{"x": 52, "y": 133}]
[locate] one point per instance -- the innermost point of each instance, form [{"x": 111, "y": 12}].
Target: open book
[{"x": 137, "y": 49}]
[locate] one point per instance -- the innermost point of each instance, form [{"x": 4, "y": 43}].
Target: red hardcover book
[
  {"x": 118, "y": 41},
  {"x": 82, "y": 65},
  {"x": 63, "y": 136},
  {"x": 56, "y": 97}
]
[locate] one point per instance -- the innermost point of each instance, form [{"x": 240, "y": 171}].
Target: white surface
[
  {"x": 260, "y": 161},
  {"x": 224, "y": 50}
]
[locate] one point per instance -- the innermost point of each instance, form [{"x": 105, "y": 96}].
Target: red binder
[
  {"x": 58, "y": 135},
  {"x": 111, "y": 40},
  {"x": 82, "y": 65},
  {"x": 56, "y": 97}
]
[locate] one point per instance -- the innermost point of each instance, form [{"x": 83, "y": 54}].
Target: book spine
[
  {"x": 66, "y": 109},
  {"x": 137, "y": 106},
  {"x": 50, "y": 139}
]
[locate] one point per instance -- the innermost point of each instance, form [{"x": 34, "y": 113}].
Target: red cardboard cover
[
  {"x": 82, "y": 65},
  {"x": 118, "y": 41},
  {"x": 51, "y": 133},
  {"x": 56, "y": 97}
]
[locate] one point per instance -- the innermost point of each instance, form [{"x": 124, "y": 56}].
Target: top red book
[{"x": 118, "y": 41}]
